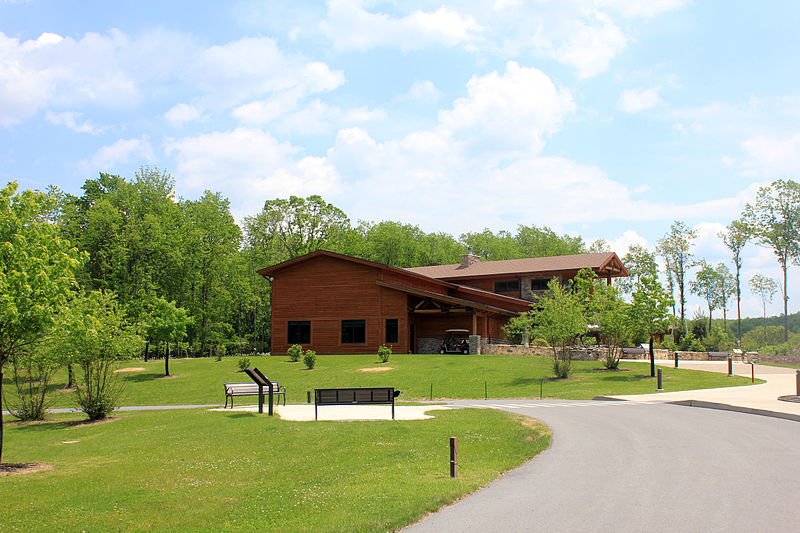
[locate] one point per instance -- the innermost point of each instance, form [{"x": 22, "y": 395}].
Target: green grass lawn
[
  {"x": 781, "y": 365},
  {"x": 199, "y": 381},
  {"x": 197, "y": 470}
]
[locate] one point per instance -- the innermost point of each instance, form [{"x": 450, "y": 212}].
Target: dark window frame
[
  {"x": 511, "y": 285},
  {"x": 396, "y": 330},
  {"x": 354, "y": 331},
  {"x": 301, "y": 336},
  {"x": 540, "y": 284}
]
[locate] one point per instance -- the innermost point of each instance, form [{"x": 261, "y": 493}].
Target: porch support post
[{"x": 474, "y": 322}]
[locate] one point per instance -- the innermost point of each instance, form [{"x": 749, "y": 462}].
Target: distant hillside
[{"x": 749, "y": 324}]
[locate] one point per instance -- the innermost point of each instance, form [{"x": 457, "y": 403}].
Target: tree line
[
  {"x": 127, "y": 269},
  {"x": 771, "y": 220}
]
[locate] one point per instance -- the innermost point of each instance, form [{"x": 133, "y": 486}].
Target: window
[
  {"x": 506, "y": 286},
  {"x": 354, "y": 332},
  {"x": 299, "y": 332},
  {"x": 391, "y": 330},
  {"x": 539, "y": 284}
]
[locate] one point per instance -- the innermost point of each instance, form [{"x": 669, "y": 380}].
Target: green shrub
[
  {"x": 562, "y": 366},
  {"x": 784, "y": 348},
  {"x": 761, "y": 336},
  {"x": 244, "y": 362},
  {"x": 588, "y": 341},
  {"x": 294, "y": 353},
  {"x": 541, "y": 343},
  {"x": 690, "y": 343},
  {"x": 310, "y": 359},
  {"x": 384, "y": 352}
]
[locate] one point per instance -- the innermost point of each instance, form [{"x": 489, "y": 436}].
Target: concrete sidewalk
[{"x": 764, "y": 397}]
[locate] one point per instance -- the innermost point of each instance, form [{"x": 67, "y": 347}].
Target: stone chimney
[{"x": 469, "y": 259}]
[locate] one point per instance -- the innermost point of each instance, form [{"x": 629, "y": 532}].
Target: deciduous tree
[
  {"x": 774, "y": 217},
  {"x": 165, "y": 323},
  {"x": 707, "y": 285},
  {"x": 676, "y": 248},
  {"x": 638, "y": 261},
  {"x": 735, "y": 238},
  {"x": 764, "y": 287},
  {"x": 650, "y": 311},
  {"x": 95, "y": 334},
  {"x": 559, "y": 316},
  {"x": 37, "y": 272},
  {"x": 606, "y": 310}
]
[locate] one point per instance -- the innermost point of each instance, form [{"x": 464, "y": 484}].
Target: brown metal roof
[
  {"x": 501, "y": 301},
  {"x": 606, "y": 263}
]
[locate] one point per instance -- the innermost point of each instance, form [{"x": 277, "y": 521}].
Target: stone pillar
[{"x": 474, "y": 344}]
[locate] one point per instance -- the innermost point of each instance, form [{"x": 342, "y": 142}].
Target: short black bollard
[
  {"x": 453, "y": 456},
  {"x": 798, "y": 383},
  {"x": 730, "y": 366},
  {"x": 752, "y": 372},
  {"x": 676, "y": 359},
  {"x": 485, "y": 391},
  {"x": 660, "y": 387},
  {"x": 541, "y": 386},
  {"x": 431, "y": 391}
]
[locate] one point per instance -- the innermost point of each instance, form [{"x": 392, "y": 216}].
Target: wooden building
[{"x": 338, "y": 304}]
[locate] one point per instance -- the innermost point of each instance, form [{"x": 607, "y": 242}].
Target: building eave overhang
[{"x": 445, "y": 298}]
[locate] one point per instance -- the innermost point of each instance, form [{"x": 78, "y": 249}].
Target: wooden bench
[
  {"x": 721, "y": 355},
  {"x": 636, "y": 352},
  {"x": 355, "y": 396},
  {"x": 250, "y": 389}
]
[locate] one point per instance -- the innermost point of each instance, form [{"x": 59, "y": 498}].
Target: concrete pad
[
  {"x": 764, "y": 397},
  {"x": 304, "y": 412}
]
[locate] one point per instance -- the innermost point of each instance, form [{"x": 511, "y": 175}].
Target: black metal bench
[
  {"x": 250, "y": 389},
  {"x": 355, "y": 396},
  {"x": 721, "y": 355}
]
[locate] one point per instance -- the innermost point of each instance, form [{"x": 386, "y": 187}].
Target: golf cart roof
[{"x": 456, "y": 331}]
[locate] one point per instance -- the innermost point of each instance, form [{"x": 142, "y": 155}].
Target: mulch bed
[
  {"x": 790, "y": 398},
  {"x": 15, "y": 469}
]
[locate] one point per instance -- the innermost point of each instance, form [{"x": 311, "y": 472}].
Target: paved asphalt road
[{"x": 619, "y": 467}]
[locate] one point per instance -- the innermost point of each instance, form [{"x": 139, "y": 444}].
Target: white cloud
[
  {"x": 248, "y": 166},
  {"x": 589, "y": 46},
  {"x": 637, "y": 8},
  {"x": 513, "y": 111},
  {"x": 182, "y": 113},
  {"x": 70, "y": 120},
  {"x": 622, "y": 244},
  {"x": 254, "y": 67},
  {"x": 772, "y": 156},
  {"x": 351, "y": 27},
  {"x": 107, "y": 70},
  {"x": 423, "y": 91},
  {"x": 637, "y": 100},
  {"x": 122, "y": 152},
  {"x": 583, "y": 34},
  {"x": 115, "y": 70},
  {"x": 312, "y": 118}
]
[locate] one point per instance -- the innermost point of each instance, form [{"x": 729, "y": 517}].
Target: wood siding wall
[{"x": 325, "y": 292}]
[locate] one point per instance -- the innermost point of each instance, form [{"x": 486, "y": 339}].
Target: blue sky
[{"x": 603, "y": 118}]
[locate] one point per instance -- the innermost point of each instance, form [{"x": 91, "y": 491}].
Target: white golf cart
[{"x": 455, "y": 341}]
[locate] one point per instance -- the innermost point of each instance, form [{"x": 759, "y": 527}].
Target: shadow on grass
[
  {"x": 149, "y": 376},
  {"x": 55, "y": 425},
  {"x": 242, "y": 415},
  {"x": 627, "y": 378}
]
